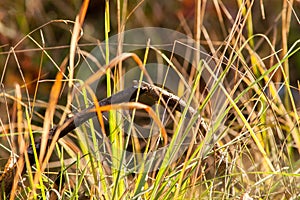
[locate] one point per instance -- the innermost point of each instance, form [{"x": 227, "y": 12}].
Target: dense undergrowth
[{"x": 246, "y": 145}]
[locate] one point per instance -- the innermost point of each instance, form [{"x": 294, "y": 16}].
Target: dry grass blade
[
  {"x": 114, "y": 63},
  {"x": 74, "y": 41},
  {"x": 98, "y": 111},
  {"x": 135, "y": 105},
  {"x": 21, "y": 142},
  {"x": 54, "y": 94},
  {"x": 53, "y": 98}
]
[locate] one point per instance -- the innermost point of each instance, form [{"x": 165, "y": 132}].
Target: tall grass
[{"x": 250, "y": 149}]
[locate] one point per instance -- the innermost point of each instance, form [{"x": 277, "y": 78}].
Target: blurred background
[
  {"x": 18, "y": 18},
  {"x": 22, "y": 61}
]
